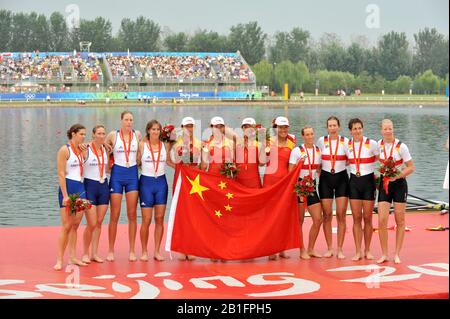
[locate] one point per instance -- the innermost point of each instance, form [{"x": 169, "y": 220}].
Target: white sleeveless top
[
  {"x": 91, "y": 164},
  {"x": 299, "y": 152},
  {"x": 325, "y": 148},
  {"x": 119, "y": 151},
  {"x": 400, "y": 153},
  {"x": 368, "y": 153},
  {"x": 73, "y": 166},
  {"x": 148, "y": 166}
]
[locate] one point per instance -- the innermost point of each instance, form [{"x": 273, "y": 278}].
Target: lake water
[{"x": 30, "y": 138}]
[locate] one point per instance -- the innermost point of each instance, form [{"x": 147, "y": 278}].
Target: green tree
[
  {"x": 97, "y": 31},
  {"x": 292, "y": 46},
  {"x": 176, "y": 42},
  {"x": 302, "y": 76},
  {"x": 402, "y": 84},
  {"x": 6, "y": 19},
  {"x": 139, "y": 35},
  {"x": 21, "y": 32},
  {"x": 284, "y": 73},
  {"x": 426, "y": 83},
  {"x": 264, "y": 73},
  {"x": 394, "y": 56},
  {"x": 431, "y": 52},
  {"x": 355, "y": 59},
  {"x": 249, "y": 39},
  {"x": 58, "y": 33},
  {"x": 40, "y": 35},
  {"x": 204, "y": 41},
  {"x": 333, "y": 56}
]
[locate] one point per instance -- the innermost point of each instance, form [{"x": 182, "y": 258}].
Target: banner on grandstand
[{"x": 215, "y": 217}]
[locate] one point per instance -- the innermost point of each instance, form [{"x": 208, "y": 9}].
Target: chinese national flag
[{"x": 215, "y": 217}]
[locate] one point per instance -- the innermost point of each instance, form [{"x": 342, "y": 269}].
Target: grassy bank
[{"x": 294, "y": 101}]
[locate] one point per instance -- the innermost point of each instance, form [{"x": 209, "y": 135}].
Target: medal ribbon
[
  {"x": 101, "y": 164},
  {"x": 153, "y": 156},
  {"x": 333, "y": 157},
  {"x": 127, "y": 151},
  {"x": 80, "y": 159},
  {"x": 357, "y": 160}
]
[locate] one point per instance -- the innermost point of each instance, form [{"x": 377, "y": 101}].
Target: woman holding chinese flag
[
  {"x": 248, "y": 155},
  {"x": 124, "y": 176},
  {"x": 308, "y": 155},
  {"x": 218, "y": 149},
  {"x": 333, "y": 183},
  {"x": 185, "y": 151},
  {"x": 153, "y": 189},
  {"x": 396, "y": 164},
  {"x": 70, "y": 160},
  {"x": 362, "y": 154},
  {"x": 97, "y": 191},
  {"x": 278, "y": 152}
]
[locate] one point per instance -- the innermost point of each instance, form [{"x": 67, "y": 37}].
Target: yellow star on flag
[
  {"x": 196, "y": 187},
  {"x": 228, "y": 208},
  {"x": 229, "y": 195},
  {"x": 222, "y": 185},
  {"x": 218, "y": 213}
]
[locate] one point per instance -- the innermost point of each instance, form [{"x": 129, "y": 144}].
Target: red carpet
[{"x": 28, "y": 255}]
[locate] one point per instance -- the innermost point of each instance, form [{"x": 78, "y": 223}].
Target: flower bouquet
[
  {"x": 168, "y": 134},
  {"x": 305, "y": 188},
  {"x": 186, "y": 154},
  {"x": 388, "y": 170},
  {"x": 230, "y": 170},
  {"x": 75, "y": 204}
]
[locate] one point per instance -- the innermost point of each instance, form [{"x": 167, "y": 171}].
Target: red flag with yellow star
[{"x": 215, "y": 217}]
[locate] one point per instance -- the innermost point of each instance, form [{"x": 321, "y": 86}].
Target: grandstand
[{"x": 130, "y": 74}]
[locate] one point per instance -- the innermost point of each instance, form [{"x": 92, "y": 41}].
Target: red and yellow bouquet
[
  {"x": 168, "y": 134},
  {"x": 388, "y": 170},
  {"x": 75, "y": 204},
  {"x": 305, "y": 188}
]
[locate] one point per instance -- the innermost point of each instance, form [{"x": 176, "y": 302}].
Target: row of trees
[
  {"x": 392, "y": 57},
  {"x": 301, "y": 79}
]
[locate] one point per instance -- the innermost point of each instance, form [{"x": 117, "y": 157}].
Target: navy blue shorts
[
  {"x": 153, "y": 191},
  {"x": 72, "y": 187},
  {"x": 97, "y": 192},
  {"x": 123, "y": 178}
]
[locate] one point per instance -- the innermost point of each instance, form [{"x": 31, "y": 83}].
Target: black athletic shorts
[
  {"x": 310, "y": 200},
  {"x": 397, "y": 192},
  {"x": 333, "y": 185},
  {"x": 363, "y": 187}
]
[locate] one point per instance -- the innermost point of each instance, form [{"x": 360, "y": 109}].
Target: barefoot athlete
[
  {"x": 70, "y": 179},
  {"x": 362, "y": 153},
  {"x": 97, "y": 191},
  {"x": 333, "y": 183},
  {"x": 153, "y": 189},
  {"x": 124, "y": 177},
  {"x": 397, "y": 189}
]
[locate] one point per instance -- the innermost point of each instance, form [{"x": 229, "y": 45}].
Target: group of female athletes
[{"x": 83, "y": 169}]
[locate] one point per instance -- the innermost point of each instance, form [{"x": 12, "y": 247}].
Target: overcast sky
[{"x": 347, "y": 18}]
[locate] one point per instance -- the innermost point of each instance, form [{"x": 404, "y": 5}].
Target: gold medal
[
  {"x": 332, "y": 171},
  {"x": 82, "y": 179},
  {"x": 358, "y": 174},
  {"x": 102, "y": 180},
  {"x": 127, "y": 165}
]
